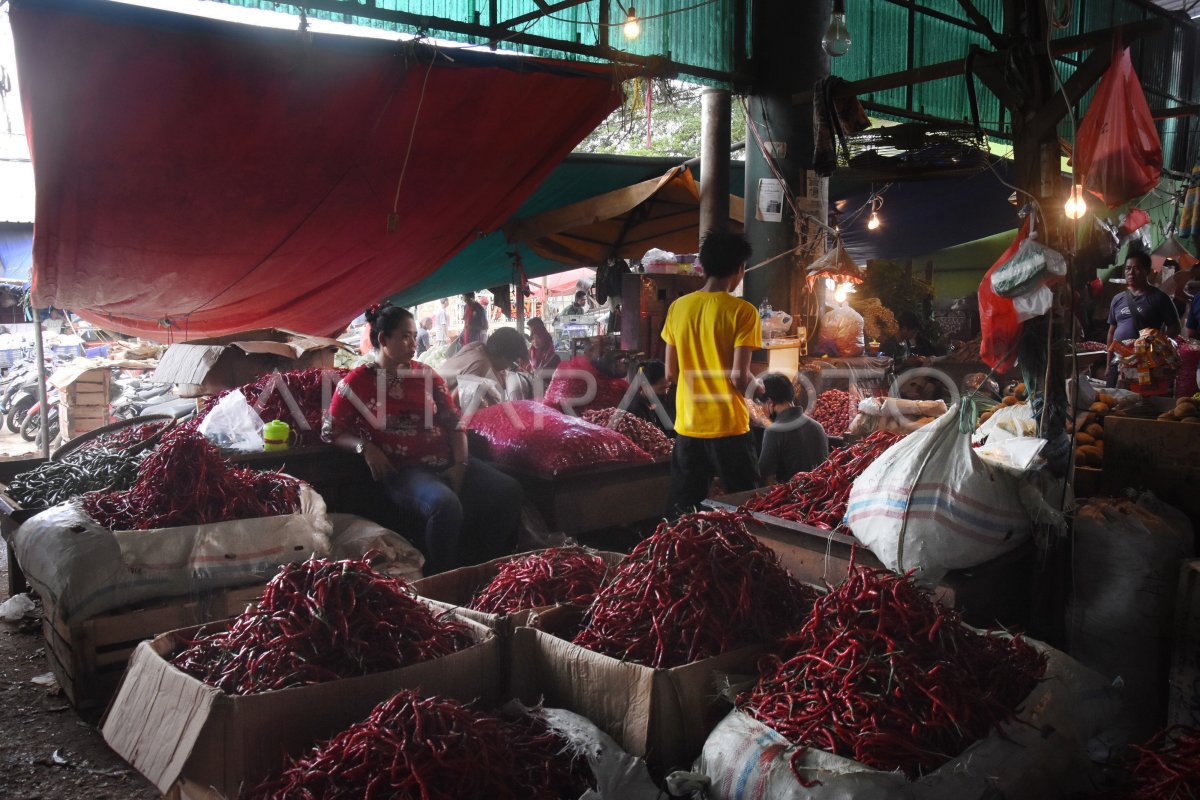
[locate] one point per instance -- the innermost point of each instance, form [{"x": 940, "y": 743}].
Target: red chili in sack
[
  {"x": 319, "y": 621},
  {"x": 542, "y": 579},
  {"x": 1168, "y": 766},
  {"x": 883, "y": 674},
  {"x": 818, "y": 498},
  {"x": 634, "y": 428},
  {"x": 698, "y": 587},
  {"x": 431, "y": 748},
  {"x": 832, "y": 410}
]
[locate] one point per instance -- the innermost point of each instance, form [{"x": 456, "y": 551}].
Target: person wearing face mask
[
  {"x": 399, "y": 416},
  {"x": 793, "y": 442},
  {"x": 1140, "y": 306}
]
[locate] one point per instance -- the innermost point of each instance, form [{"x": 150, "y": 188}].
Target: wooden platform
[
  {"x": 600, "y": 497},
  {"x": 88, "y": 656}
]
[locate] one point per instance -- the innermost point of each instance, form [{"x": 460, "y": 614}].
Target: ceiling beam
[
  {"x": 545, "y": 11},
  {"x": 948, "y": 69},
  {"x": 1177, "y": 111}
]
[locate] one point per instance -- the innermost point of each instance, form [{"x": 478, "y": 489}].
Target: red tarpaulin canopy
[{"x": 195, "y": 178}]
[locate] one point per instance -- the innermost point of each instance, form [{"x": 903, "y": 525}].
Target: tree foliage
[{"x": 674, "y": 122}]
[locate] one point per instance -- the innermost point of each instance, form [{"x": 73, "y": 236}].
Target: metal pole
[
  {"x": 40, "y": 355},
  {"x": 714, "y": 161}
]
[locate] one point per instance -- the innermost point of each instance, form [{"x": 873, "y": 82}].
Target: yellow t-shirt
[{"x": 704, "y": 328}]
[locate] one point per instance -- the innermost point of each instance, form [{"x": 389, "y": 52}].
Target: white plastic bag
[
  {"x": 1033, "y": 303},
  {"x": 930, "y": 503},
  {"x": 1040, "y": 756},
  {"x": 233, "y": 425},
  {"x": 15, "y": 607}
]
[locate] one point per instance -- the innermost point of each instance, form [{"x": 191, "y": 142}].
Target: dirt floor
[{"x": 47, "y": 750}]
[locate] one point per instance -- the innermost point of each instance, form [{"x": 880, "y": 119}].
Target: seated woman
[{"x": 399, "y": 416}]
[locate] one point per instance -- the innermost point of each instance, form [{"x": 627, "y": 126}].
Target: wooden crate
[
  {"x": 603, "y": 497},
  {"x": 88, "y": 656},
  {"x": 1155, "y": 455}
]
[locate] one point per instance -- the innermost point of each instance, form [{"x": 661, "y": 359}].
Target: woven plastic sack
[
  {"x": 577, "y": 386},
  {"x": 842, "y": 333},
  {"x": 1117, "y": 148},
  {"x": 529, "y": 435}
]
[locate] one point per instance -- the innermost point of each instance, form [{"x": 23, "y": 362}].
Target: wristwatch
[{"x": 360, "y": 447}]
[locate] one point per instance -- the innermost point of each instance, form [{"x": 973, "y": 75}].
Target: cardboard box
[
  {"x": 210, "y": 366},
  {"x": 454, "y": 589},
  {"x": 662, "y": 715},
  {"x": 172, "y": 727},
  {"x": 1155, "y": 455},
  {"x": 1184, "y": 704}
]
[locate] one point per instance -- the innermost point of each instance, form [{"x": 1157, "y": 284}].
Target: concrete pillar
[{"x": 786, "y": 59}]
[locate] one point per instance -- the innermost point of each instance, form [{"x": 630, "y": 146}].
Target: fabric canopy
[
  {"x": 562, "y": 283},
  {"x": 663, "y": 212},
  {"x": 489, "y": 260},
  {"x": 195, "y": 178}
]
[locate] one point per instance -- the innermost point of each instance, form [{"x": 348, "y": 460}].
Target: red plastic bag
[
  {"x": 577, "y": 386},
  {"x": 1117, "y": 149},
  {"x": 998, "y": 322},
  {"x": 528, "y": 435}
]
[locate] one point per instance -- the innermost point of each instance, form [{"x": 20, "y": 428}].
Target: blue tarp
[{"x": 16, "y": 251}]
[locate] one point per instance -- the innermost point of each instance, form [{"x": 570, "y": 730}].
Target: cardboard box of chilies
[
  {"x": 661, "y": 715},
  {"x": 196, "y": 741}
]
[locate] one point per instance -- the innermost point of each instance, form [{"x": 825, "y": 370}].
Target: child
[{"x": 794, "y": 442}]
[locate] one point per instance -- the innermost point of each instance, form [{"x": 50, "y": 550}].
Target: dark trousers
[
  {"x": 694, "y": 463},
  {"x": 477, "y": 526}
]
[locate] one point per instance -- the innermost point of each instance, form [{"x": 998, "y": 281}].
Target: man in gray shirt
[{"x": 794, "y": 442}]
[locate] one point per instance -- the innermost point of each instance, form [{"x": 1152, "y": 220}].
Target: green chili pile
[
  {"x": 184, "y": 481},
  {"x": 818, "y": 498},
  {"x": 883, "y": 674},
  {"x": 320, "y": 621},
  {"x": 414, "y": 748},
  {"x": 543, "y": 579},
  {"x": 82, "y": 471},
  {"x": 1168, "y": 765},
  {"x": 698, "y": 587}
]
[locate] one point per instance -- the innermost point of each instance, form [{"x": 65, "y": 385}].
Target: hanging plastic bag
[
  {"x": 999, "y": 323},
  {"x": 1033, "y": 303},
  {"x": 1117, "y": 149},
  {"x": 1029, "y": 266},
  {"x": 842, "y": 333}
]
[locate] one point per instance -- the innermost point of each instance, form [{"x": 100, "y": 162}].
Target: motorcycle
[{"x": 31, "y": 428}]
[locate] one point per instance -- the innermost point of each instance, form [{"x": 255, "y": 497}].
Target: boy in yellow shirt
[{"x": 710, "y": 336}]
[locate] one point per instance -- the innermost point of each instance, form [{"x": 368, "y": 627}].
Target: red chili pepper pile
[
  {"x": 125, "y": 437},
  {"x": 184, "y": 481},
  {"x": 1168, "y": 765},
  {"x": 643, "y": 434},
  {"x": 832, "y": 410},
  {"x": 698, "y": 587},
  {"x": 435, "y": 749},
  {"x": 319, "y": 621},
  {"x": 275, "y": 394},
  {"x": 883, "y": 674},
  {"x": 818, "y": 498},
  {"x": 543, "y": 579}
]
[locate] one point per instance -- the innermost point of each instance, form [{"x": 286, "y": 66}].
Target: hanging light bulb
[
  {"x": 836, "y": 40},
  {"x": 632, "y": 27},
  {"x": 1075, "y": 206},
  {"x": 874, "y": 222}
]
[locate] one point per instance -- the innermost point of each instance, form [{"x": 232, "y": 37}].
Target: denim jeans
[
  {"x": 694, "y": 463},
  {"x": 477, "y": 526}
]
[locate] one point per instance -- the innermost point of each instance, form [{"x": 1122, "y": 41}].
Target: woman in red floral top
[{"x": 398, "y": 414}]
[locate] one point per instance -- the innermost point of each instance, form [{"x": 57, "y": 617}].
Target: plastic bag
[
  {"x": 999, "y": 323},
  {"x": 529, "y": 435},
  {"x": 1033, "y": 304},
  {"x": 842, "y": 333},
  {"x": 1026, "y": 268},
  {"x": 233, "y": 425},
  {"x": 1117, "y": 148}
]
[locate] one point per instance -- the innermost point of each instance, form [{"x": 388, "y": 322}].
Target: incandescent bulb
[
  {"x": 1075, "y": 206},
  {"x": 632, "y": 28},
  {"x": 840, "y": 295},
  {"x": 874, "y": 222},
  {"x": 836, "y": 40}
]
